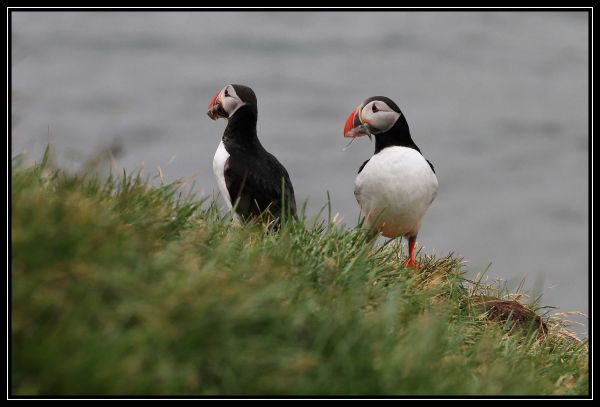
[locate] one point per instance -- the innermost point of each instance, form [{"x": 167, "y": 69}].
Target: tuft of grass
[{"x": 120, "y": 287}]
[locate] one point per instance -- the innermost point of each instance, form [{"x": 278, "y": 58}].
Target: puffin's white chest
[
  {"x": 394, "y": 190},
  {"x": 219, "y": 161}
]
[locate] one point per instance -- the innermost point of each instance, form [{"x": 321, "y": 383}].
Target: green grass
[{"x": 120, "y": 287}]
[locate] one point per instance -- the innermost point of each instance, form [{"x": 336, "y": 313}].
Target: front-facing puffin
[
  {"x": 397, "y": 184},
  {"x": 250, "y": 179}
]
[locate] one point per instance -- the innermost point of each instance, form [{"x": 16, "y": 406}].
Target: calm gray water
[{"x": 497, "y": 101}]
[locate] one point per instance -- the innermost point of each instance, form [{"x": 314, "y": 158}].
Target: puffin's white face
[
  {"x": 373, "y": 117},
  {"x": 378, "y": 116},
  {"x": 225, "y": 103}
]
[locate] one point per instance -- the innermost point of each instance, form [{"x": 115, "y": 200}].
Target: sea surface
[{"x": 497, "y": 101}]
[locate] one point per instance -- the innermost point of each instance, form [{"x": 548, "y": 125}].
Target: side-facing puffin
[
  {"x": 250, "y": 179},
  {"x": 397, "y": 184}
]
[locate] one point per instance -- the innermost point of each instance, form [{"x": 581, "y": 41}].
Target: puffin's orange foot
[{"x": 411, "y": 263}]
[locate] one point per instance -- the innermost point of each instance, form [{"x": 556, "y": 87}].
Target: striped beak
[
  {"x": 215, "y": 108},
  {"x": 354, "y": 126}
]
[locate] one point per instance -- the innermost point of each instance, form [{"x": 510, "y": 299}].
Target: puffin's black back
[
  {"x": 256, "y": 181},
  {"x": 255, "y": 187}
]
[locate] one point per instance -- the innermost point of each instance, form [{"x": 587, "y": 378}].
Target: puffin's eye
[
  {"x": 226, "y": 92},
  {"x": 375, "y": 110}
]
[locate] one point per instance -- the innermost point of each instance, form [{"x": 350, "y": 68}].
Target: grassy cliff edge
[{"x": 119, "y": 287}]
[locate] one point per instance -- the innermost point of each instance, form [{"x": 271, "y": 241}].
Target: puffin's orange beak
[
  {"x": 213, "y": 107},
  {"x": 353, "y": 126}
]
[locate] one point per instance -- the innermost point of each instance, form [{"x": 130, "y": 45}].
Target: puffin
[
  {"x": 251, "y": 180},
  {"x": 396, "y": 186}
]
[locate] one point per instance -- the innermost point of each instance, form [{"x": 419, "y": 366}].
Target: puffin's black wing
[
  {"x": 363, "y": 166},
  {"x": 255, "y": 185},
  {"x": 431, "y": 165}
]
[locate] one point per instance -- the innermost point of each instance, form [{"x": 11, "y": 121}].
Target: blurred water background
[{"x": 497, "y": 101}]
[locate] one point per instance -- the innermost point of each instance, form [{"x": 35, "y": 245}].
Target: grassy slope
[{"x": 123, "y": 288}]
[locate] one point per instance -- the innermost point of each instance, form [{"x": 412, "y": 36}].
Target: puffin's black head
[
  {"x": 376, "y": 115},
  {"x": 229, "y": 99}
]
